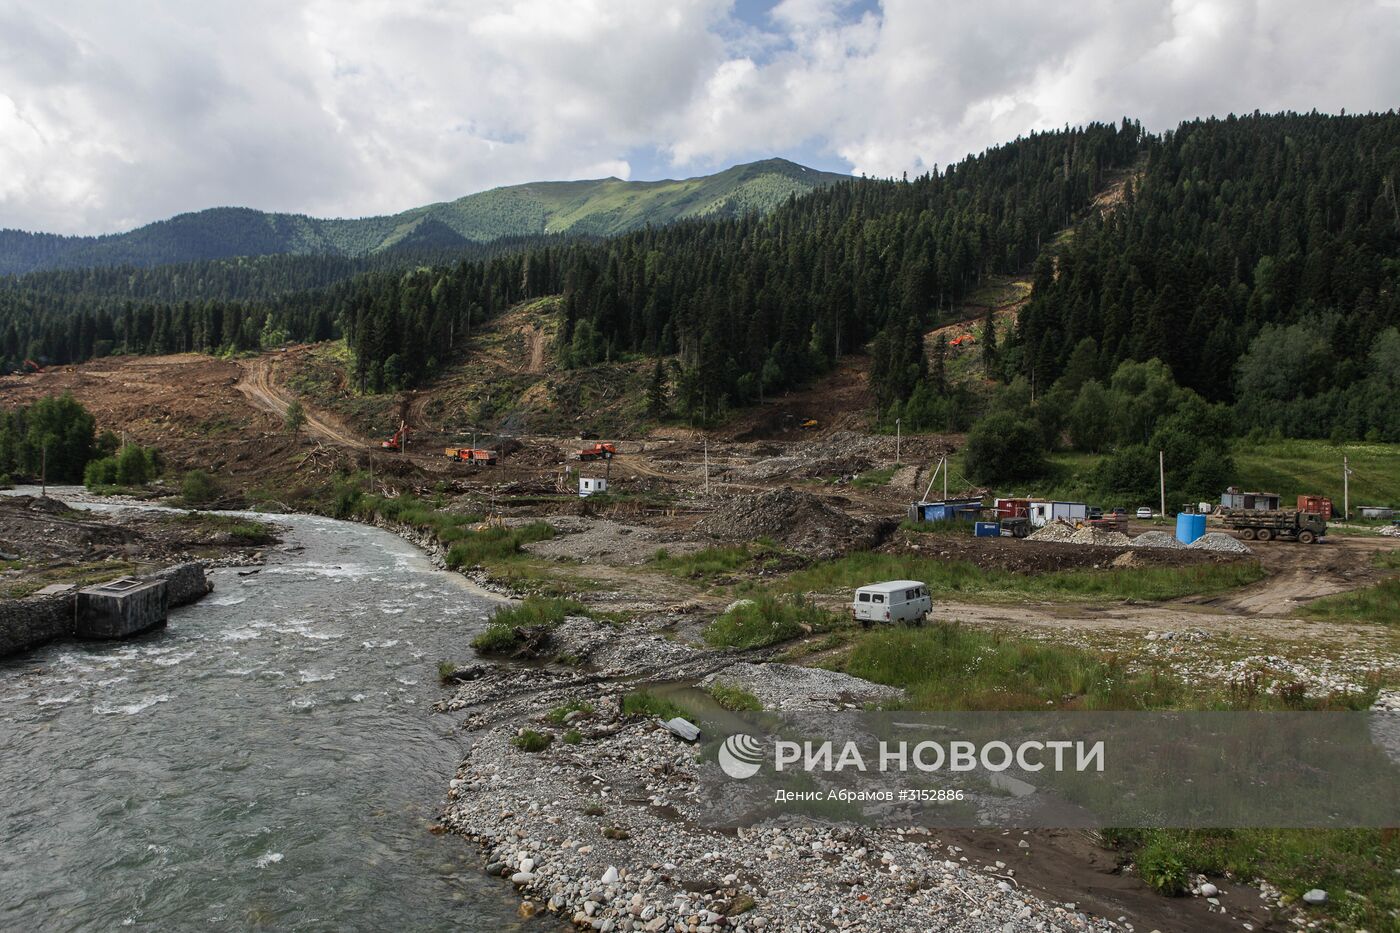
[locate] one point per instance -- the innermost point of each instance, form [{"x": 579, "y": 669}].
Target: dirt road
[{"x": 256, "y": 381}]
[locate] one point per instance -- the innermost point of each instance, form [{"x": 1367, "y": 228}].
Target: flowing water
[{"x": 268, "y": 760}]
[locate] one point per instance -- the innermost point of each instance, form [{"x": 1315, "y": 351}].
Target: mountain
[{"x": 600, "y": 207}]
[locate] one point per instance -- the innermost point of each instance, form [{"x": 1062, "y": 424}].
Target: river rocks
[
  {"x": 1315, "y": 897},
  {"x": 609, "y": 826},
  {"x": 1208, "y": 890}
]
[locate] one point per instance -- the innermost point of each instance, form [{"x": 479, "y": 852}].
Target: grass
[
  {"x": 969, "y": 580},
  {"x": 646, "y": 703},
  {"x": 948, "y": 666},
  {"x": 873, "y": 478},
  {"x": 767, "y": 620},
  {"x": 502, "y": 635},
  {"x": 735, "y": 698},
  {"x": 1346, "y": 863},
  {"x": 78, "y": 574},
  {"x": 1378, "y": 604},
  {"x": 715, "y": 561},
  {"x": 1288, "y": 467},
  {"x": 245, "y": 531},
  {"x": 531, "y": 741},
  {"x": 560, "y": 713}
]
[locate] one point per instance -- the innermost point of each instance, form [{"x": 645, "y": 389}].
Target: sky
[{"x": 113, "y": 115}]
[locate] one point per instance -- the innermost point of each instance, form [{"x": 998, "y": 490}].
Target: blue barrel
[
  {"x": 1189, "y": 527},
  {"x": 987, "y": 529}
]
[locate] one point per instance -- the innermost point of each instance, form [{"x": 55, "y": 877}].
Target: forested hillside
[
  {"x": 1255, "y": 258},
  {"x": 599, "y": 207},
  {"x": 1259, "y": 258}
]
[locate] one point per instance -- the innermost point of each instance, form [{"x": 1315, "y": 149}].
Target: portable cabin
[
  {"x": 966, "y": 510},
  {"x": 1043, "y": 513},
  {"x": 1013, "y": 508},
  {"x": 892, "y": 601},
  {"x": 591, "y": 485},
  {"x": 1233, "y": 498},
  {"x": 1377, "y": 511}
]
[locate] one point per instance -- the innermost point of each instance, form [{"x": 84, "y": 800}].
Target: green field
[{"x": 1287, "y": 467}]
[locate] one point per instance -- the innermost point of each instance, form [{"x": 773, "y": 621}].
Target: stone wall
[
  {"x": 28, "y": 623},
  {"x": 185, "y": 583}
]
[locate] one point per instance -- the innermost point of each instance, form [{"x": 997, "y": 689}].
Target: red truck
[
  {"x": 473, "y": 455},
  {"x": 603, "y": 451}
]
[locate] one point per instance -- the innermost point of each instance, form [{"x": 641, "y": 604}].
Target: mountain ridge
[{"x": 601, "y": 207}]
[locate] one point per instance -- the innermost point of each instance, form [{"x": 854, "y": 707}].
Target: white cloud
[{"x": 113, "y": 115}]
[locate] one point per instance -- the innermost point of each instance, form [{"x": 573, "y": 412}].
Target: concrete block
[{"x": 120, "y": 608}]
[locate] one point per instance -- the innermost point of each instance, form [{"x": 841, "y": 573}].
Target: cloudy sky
[{"x": 116, "y": 114}]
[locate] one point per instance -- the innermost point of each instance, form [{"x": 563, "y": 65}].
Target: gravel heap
[
  {"x": 1219, "y": 541},
  {"x": 1055, "y": 531},
  {"x": 1156, "y": 539},
  {"x": 800, "y": 520},
  {"x": 603, "y": 832},
  {"x": 1091, "y": 535},
  {"x": 788, "y": 687}
]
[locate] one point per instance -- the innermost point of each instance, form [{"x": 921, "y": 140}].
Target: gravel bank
[{"x": 600, "y": 829}]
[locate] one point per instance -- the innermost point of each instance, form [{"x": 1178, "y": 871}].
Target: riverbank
[{"x": 49, "y": 550}]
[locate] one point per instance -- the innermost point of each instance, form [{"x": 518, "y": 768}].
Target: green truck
[{"x": 1284, "y": 524}]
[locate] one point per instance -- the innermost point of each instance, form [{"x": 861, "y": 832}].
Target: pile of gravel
[
  {"x": 800, "y": 520},
  {"x": 1218, "y": 541},
  {"x": 1104, "y": 536},
  {"x": 787, "y": 686},
  {"x": 1156, "y": 539},
  {"x": 1055, "y": 531}
]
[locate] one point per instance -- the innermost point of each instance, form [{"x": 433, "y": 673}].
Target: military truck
[{"x": 1284, "y": 524}]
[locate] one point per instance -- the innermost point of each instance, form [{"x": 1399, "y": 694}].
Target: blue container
[
  {"x": 987, "y": 529},
  {"x": 1189, "y": 527}
]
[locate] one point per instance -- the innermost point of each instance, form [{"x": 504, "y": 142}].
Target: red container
[
  {"x": 1013, "y": 508},
  {"x": 1319, "y": 504}
]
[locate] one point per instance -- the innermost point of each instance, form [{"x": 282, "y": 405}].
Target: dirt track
[{"x": 257, "y": 382}]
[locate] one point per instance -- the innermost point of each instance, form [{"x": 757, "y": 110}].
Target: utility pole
[
  {"x": 1346, "y": 490},
  {"x": 945, "y": 478},
  {"x": 1162, "y": 480},
  {"x": 44, "y": 471},
  {"x": 896, "y": 440},
  {"x": 707, "y": 466}
]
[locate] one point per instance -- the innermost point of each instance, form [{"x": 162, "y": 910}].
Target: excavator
[
  {"x": 31, "y": 367},
  {"x": 602, "y": 451},
  {"x": 398, "y": 439}
]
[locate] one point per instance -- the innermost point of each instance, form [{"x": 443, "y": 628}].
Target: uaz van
[{"x": 895, "y": 601}]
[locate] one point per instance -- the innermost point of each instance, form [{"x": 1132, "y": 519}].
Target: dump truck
[
  {"x": 602, "y": 451},
  {"x": 1285, "y": 524},
  {"x": 473, "y": 455}
]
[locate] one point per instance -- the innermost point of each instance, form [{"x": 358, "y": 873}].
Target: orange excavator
[
  {"x": 398, "y": 439},
  {"x": 603, "y": 451},
  {"x": 32, "y": 367},
  {"x": 960, "y": 341}
]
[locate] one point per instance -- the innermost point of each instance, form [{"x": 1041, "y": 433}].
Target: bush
[
  {"x": 573, "y": 737},
  {"x": 137, "y": 465},
  {"x": 1003, "y": 449},
  {"x": 199, "y": 488},
  {"x": 100, "y": 473},
  {"x": 1162, "y": 869},
  {"x": 531, "y": 741},
  {"x": 766, "y": 621}
]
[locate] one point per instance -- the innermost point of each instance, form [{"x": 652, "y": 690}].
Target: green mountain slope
[{"x": 601, "y": 207}]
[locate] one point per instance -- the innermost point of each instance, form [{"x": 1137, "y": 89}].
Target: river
[{"x": 268, "y": 760}]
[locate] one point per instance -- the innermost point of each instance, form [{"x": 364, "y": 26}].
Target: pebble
[{"x": 1315, "y": 896}]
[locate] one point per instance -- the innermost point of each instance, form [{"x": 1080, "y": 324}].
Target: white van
[{"x": 895, "y": 601}]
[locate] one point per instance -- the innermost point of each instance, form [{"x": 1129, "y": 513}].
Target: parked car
[
  {"x": 1095, "y": 512},
  {"x": 892, "y": 601},
  {"x": 1120, "y": 511},
  {"x": 1144, "y": 512}
]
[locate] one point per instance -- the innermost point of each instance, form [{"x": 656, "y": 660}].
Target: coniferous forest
[{"x": 1257, "y": 257}]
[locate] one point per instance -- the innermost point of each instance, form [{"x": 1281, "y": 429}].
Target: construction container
[
  {"x": 987, "y": 529},
  {"x": 1318, "y": 504},
  {"x": 1043, "y": 513},
  {"x": 1233, "y": 498},
  {"x": 961, "y": 509},
  {"x": 1189, "y": 527},
  {"x": 591, "y": 486}
]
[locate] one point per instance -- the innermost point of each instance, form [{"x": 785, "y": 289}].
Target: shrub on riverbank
[
  {"x": 524, "y": 625},
  {"x": 767, "y": 620}
]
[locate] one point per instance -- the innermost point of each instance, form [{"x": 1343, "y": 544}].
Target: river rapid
[{"x": 268, "y": 760}]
